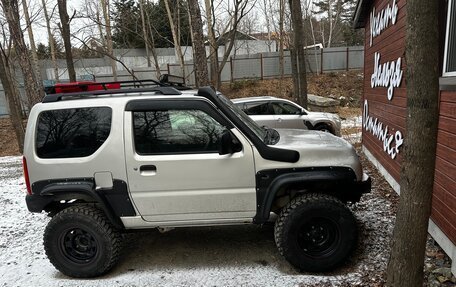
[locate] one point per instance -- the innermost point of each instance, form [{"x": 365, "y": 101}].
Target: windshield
[{"x": 268, "y": 136}]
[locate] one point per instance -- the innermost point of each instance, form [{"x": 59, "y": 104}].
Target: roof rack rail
[{"x": 61, "y": 96}]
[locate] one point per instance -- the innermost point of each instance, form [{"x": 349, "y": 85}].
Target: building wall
[
  {"x": 444, "y": 196},
  {"x": 390, "y": 113}
]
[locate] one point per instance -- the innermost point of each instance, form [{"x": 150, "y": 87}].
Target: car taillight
[{"x": 26, "y": 175}]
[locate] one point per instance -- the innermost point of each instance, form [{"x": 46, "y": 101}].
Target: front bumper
[
  {"x": 357, "y": 189},
  {"x": 365, "y": 185}
]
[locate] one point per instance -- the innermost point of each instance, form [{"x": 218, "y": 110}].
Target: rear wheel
[
  {"x": 80, "y": 242},
  {"x": 315, "y": 232}
]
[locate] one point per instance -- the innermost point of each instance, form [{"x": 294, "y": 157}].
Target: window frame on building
[{"x": 450, "y": 22}]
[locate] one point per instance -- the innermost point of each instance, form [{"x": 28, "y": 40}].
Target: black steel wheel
[
  {"x": 80, "y": 242},
  {"x": 315, "y": 232}
]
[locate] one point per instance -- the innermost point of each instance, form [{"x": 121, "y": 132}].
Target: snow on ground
[
  {"x": 351, "y": 129},
  {"x": 206, "y": 256}
]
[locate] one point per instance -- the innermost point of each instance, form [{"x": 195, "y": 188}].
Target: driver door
[{"x": 175, "y": 172}]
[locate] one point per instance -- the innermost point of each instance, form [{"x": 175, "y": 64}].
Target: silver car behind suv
[{"x": 280, "y": 113}]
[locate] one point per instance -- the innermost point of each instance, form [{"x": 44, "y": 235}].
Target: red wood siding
[
  {"x": 391, "y": 45},
  {"x": 444, "y": 196}
]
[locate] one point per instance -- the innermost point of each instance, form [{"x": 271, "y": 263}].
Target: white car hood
[
  {"x": 319, "y": 149},
  {"x": 308, "y": 139}
]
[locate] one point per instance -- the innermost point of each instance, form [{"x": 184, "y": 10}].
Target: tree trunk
[
  {"x": 237, "y": 15},
  {"x": 213, "y": 47},
  {"x": 33, "y": 87},
  {"x": 176, "y": 38},
  {"x": 106, "y": 16},
  {"x": 65, "y": 27},
  {"x": 281, "y": 42},
  {"x": 32, "y": 41},
  {"x": 51, "y": 41},
  {"x": 152, "y": 48},
  {"x": 14, "y": 105},
  {"x": 199, "y": 51},
  {"x": 298, "y": 40},
  {"x": 405, "y": 266},
  {"x": 144, "y": 28}
]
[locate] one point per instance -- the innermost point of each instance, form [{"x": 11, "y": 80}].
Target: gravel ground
[{"x": 209, "y": 256}]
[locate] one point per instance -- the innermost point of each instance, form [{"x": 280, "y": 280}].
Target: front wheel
[
  {"x": 315, "y": 232},
  {"x": 80, "y": 242},
  {"x": 324, "y": 128}
]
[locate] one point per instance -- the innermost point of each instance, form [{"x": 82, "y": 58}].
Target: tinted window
[
  {"x": 285, "y": 109},
  {"x": 175, "y": 131},
  {"x": 72, "y": 132},
  {"x": 256, "y": 108}
]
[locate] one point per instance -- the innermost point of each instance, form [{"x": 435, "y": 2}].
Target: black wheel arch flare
[
  {"x": 341, "y": 180},
  {"x": 115, "y": 202}
]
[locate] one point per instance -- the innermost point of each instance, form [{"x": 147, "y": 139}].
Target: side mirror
[
  {"x": 228, "y": 143},
  {"x": 303, "y": 112}
]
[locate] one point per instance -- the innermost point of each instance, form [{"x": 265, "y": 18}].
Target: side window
[
  {"x": 71, "y": 133},
  {"x": 175, "y": 131},
  {"x": 258, "y": 108},
  {"x": 285, "y": 109}
]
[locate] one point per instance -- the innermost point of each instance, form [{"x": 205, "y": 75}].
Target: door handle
[
  {"x": 279, "y": 119},
  {"x": 148, "y": 170}
]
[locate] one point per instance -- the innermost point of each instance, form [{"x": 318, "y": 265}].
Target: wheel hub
[
  {"x": 318, "y": 237},
  {"x": 78, "y": 245}
]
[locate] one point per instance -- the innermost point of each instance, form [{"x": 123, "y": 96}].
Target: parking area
[{"x": 206, "y": 256}]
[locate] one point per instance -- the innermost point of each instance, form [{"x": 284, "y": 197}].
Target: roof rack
[
  {"x": 168, "y": 85},
  {"x": 61, "y": 96}
]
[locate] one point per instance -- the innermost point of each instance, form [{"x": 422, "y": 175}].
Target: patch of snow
[
  {"x": 353, "y": 122},
  {"x": 206, "y": 256}
]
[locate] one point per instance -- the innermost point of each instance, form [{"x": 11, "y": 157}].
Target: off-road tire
[
  {"x": 315, "y": 232},
  {"x": 80, "y": 242}
]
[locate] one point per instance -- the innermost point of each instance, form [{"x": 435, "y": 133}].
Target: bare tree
[
  {"x": 12, "y": 98},
  {"x": 267, "y": 13},
  {"x": 281, "y": 44},
  {"x": 31, "y": 40},
  {"x": 66, "y": 36},
  {"x": 199, "y": 51},
  {"x": 151, "y": 44},
  {"x": 405, "y": 266},
  {"x": 237, "y": 10},
  {"x": 145, "y": 34},
  {"x": 47, "y": 18},
  {"x": 174, "y": 19},
  {"x": 298, "y": 55},
  {"x": 33, "y": 86},
  {"x": 213, "y": 51},
  {"x": 107, "y": 19}
]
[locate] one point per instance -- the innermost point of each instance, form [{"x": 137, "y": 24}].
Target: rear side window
[
  {"x": 257, "y": 108},
  {"x": 70, "y": 133}
]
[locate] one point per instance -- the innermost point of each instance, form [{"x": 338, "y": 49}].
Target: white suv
[
  {"x": 104, "y": 162},
  {"x": 284, "y": 114}
]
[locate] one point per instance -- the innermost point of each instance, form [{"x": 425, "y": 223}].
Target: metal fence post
[
  {"x": 261, "y": 66},
  {"x": 321, "y": 61},
  {"x": 231, "y": 70},
  {"x": 168, "y": 68},
  {"x": 347, "y": 59}
]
